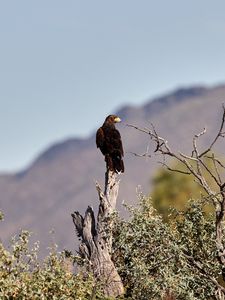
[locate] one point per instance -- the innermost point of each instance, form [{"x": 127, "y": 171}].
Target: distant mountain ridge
[
  {"x": 62, "y": 178},
  {"x": 181, "y": 94},
  {"x": 76, "y": 144}
]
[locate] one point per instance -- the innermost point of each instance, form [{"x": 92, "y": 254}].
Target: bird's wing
[
  {"x": 117, "y": 142},
  {"x": 100, "y": 138}
]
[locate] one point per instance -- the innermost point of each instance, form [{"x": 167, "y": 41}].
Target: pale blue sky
[{"x": 65, "y": 65}]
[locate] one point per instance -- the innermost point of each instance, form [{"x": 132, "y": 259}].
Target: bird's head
[{"x": 112, "y": 119}]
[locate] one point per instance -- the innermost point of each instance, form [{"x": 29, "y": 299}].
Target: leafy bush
[
  {"x": 23, "y": 277},
  {"x": 155, "y": 258}
]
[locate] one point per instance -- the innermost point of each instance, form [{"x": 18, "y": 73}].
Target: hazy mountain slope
[{"x": 62, "y": 178}]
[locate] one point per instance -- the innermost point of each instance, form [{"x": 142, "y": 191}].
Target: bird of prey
[{"x": 108, "y": 140}]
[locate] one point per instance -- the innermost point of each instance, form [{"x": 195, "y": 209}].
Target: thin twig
[
  {"x": 210, "y": 172},
  {"x": 220, "y": 134},
  {"x": 216, "y": 160},
  {"x": 173, "y": 170},
  {"x": 140, "y": 155},
  {"x": 195, "y": 149}
]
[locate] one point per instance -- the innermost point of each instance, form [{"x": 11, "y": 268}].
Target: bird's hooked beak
[{"x": 117, "y": 120}]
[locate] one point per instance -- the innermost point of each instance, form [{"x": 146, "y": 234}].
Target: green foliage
[
  {"x": 23, "y": 277},
  {"x": 174, "y": 189},
  {"x": 1, "y": 216},
  {"x": 155, "y": 258}
]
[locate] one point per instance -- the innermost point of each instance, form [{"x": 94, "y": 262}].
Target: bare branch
[
  {"x": 201, "y": 133},
  {"x": 216, "y": 169},
  {"x": 195, "y": 165},
  {"x": 188, "y": 157},
  {"x": 137, "y": 128},
  {"x": 140, "y": 155},
  {"x": 195, "y": 149},
  {"x": 196, "y": 173},
  {"x": 220, "y": 134},
  {"x": 173, "y": 170},
  {"x": 210, "y": 172},
  {"x": 216, "y": 160}
]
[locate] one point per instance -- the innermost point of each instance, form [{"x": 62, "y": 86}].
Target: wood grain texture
[{"x": 96, "y": 236}]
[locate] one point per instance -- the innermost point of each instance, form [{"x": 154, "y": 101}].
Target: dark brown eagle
[{"x": 108, "y": 139}]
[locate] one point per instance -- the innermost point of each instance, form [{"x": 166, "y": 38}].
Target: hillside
[{"x": 62, "y": 178}]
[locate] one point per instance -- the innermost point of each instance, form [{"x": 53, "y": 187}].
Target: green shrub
[
  {"x": 156, "y": 258},
  {"x": 23, "y": 277}
]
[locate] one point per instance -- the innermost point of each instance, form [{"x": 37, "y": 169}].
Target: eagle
[{"x": 108, "y": 140}]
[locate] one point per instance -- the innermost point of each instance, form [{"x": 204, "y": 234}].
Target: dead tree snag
[{"x": 96, "y": 236}]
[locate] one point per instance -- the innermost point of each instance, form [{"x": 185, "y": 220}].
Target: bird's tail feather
[
  {"x": 115, "y": 163},
  {"x": 118, "y": 164}
]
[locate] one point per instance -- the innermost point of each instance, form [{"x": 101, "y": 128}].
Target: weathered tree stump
[{"x": 96, "y": 237}]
